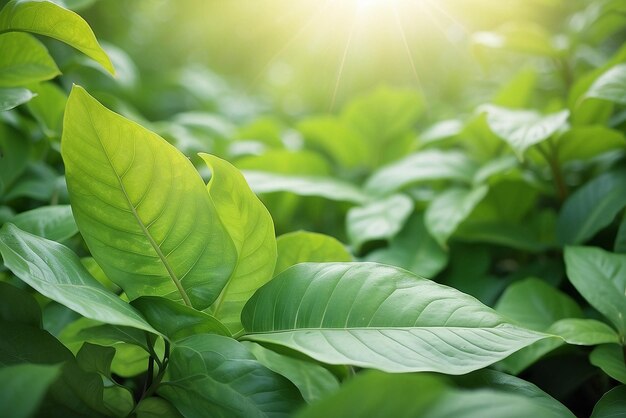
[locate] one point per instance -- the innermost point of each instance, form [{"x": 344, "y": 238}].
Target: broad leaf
[
  {"x": 379, "y": 220},
  {"x": 55, "y": 223},
  {"x": 13, "y": 97},
  {"x": 218, "y": 374},
  {"x": 585, "y": 142},
  {"x": 156, "y": 408},
  {"x": 48, "y": 108},
  {"x": 24, "y": 387},
  {"x": 600, "y": 277},
  {"x": 422, "y": 166},
  {"x": 18, "y": 306},
  {"x": 610, "y": 86},
  {"x": 620, "y": 239},
  {"x": 48, "y": 19},
  {"x": 348, "y": 313},
  {"x": 610, "y": 358},
  {"x": 326, "y": 187},
  {"x": 592, "y": 207},
  {"x": 251, "y": 228},
  {"x": 302, "y": 246},
  {"x": 612, "y": 404},
  {"x": 24, "y": 60},
  {"x": 522, "y": 129},
  {"x": 142, "y": 208},
  {"x": 584, "y": 331},
  {"x": 56, "y": 272}
]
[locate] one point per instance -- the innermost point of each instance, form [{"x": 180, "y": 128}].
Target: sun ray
[
  {"x": 447, "y": 15},
  {"x": 342, "y": 63}
]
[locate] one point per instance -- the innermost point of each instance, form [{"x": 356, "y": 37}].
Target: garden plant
[{"x": 205, "y": 265}]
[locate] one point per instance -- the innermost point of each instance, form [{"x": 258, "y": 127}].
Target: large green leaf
[
  {"x": 48, "y": 19},
  {"x": 302, "y": 246},
  {"x": 251, "y": 228},
  {"x": 379, "y": 220},
  {"x": 585, "y": 142},
  {"x": 13, "y": 97},
  {"x": 19, "y": 306},
  {"x": 612, "y": 404},
  {"x": 620, "y": 239},
  {"x": 55, "y": 223},
  {"x": 592, "y": 207},
  {"x": 610, "y": 86},
  {"x": 48, "y": 108},
  {"x": 142, "y": 208},
  {"x": 24, "y": 60},
  {"x": 600, "y": 277},
  {"x": 422, "y": 166},
  {"x": 522, "y": 129},
  {"x": 218, "y": 375},
  {"x": 610, "y": 358},
  {"x": 56, "y": 272},
  {"x": 377, "y": 316},
  {"x": 24, "y": 387}
]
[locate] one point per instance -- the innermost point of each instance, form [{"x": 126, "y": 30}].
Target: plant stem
[{"x": 557, "y": 173}]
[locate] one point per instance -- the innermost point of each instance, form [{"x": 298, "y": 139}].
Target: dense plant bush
[{"x": 144, "y": 277}]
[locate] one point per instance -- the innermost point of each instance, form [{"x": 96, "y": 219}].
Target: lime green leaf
[
  {"x": 175, "y": 320},
  {"x": 56, "y": 272},
  {"x": 48, "y": 19},
  {"x": 347, "y": 313},
  {"x": 48, "y": 108},
  {"x": 381, "y": 219},
  {"x": 610, "y": 86},
  {"x": 448, "y": 210},
  {"x": 302, "y": 246},
  {"x": 584, "y": 331},
  {"x": 585, "y": 142},
  {"x": 55, "y": 223},
  {"x": 612, "y": 404},
  {"x": 591, "y": 208},
  {"x": 24, "y": 387},
  {"x": 218, "y": 374},
  {"x": 326, "y": 187},
  {"x": 422, "y": 166},
  {"x": 142, "y": 208},
  {"x": 24, "y": 60},
  {"x": 600, "y": 277},
  {"x": 13, "y": 97},
  {"x": 313, "y": 380},
  {"x": 522, "y": 129},
  {"x": 610, "y": 358},
  {"x": 251, "y": 228}
]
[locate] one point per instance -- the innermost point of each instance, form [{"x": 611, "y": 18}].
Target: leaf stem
[{"x": 555, "y": 167}]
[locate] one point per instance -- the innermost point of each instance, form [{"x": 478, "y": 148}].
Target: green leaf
[
  {"x": 591, "y": 208},
  {"x": 142, "y": 208},
  {"x": 48, "y": 108},
  {"x": 584, "y": 331},
  {"x": 412, "y": 249},
  {"x": 19, "y": 306},
  {"x": 522, "y": 129},
  {"x": 302, "y": 246},
  {"x": 55, "y": 223},
  {"x": 251, "y": 228},
  {"x": 610, "y": 358},
  {"x": 175, "y": 320},
  {"x": 610, "y": 86},
  {"x": 21, "y": 343},
  {"x": 448, "y": 210},
  {"x": 24, "y": 387},
  {"x": 13, "y": 97},
  {"x": 314, "y": 381},
  {"x": 326, "y": 187},
  {"x": 620, "y": 239},
  {"x": 612, "y": 404},
  {"x": 600, "y": 277},
  {"x": 156, "y": 408},
  {"x": 381, "y": 219},
  {"x": 24, "y": 60},
  {"x": 95, "y": 358},
  {"x": 48, "y": 19},
  {"x": 586, "y": 142},
  {"x": 14, "y": 153},
  {"x": 419, "y": 167},
  {"x": 347, "y": 313},
  {"x": 56, "y": 272},
  {"x": 217, "y": 374}
]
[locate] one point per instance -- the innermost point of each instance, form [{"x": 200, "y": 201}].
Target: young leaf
[
  {"x": 302, "y": 246},
  {"x": 600, "y": 277},
  {"x": 24, "y": 387},
  {"x": 584, "y": 331},
  {"x": 251, "y": 228},
  {"x": 522, "y": 129},
  {"x": 348, "y": 313},
  {"x": 55, "y": 223},
  {"x": 610, "y": 358},
  {"x": 214, "y": 373},
  {"x": 612, "y": 404},
  {"x": 591, "y": 208},
  {"x": 381, "y": 219},
  {"x": 24, "y": 60},
  {"x": 13, "y": 97},
  {"x": 610, "y": 86},
  {"x": 48, "y": 19},
  {"x": 56, "y": 272},
  {"x": 142, "y": 208}
]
